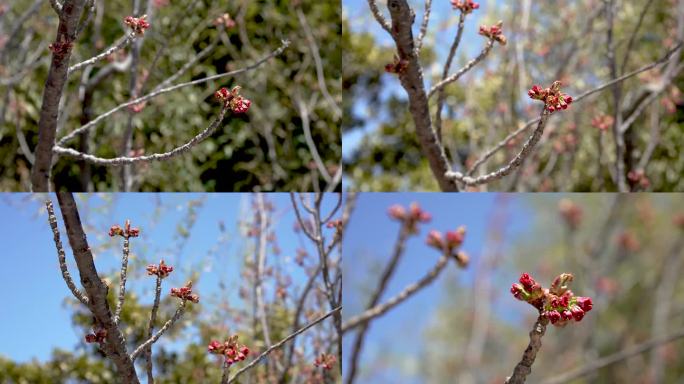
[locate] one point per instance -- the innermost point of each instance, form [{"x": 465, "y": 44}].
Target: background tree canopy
[
  {"x": 547, "y": 41},
  {"x": 264, "y": 149}
]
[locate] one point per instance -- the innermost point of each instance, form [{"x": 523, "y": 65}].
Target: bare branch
[
  {"x": 52, "y": 219},
  {"x": 614, "y": 358},
  {"x": 524, "y": 367},
  {"x": 402, "y": 296},
  {"x": 464, "y": 70},
  {"x": 423, "y": 26},
  {"x": 117, "y": 161},
  {"x": 162, "y": 91},
  {"x": 176, "y": 316},
  {"x": 378, "y": 16},
  {"x": 279, "y": 344},
  {"x": 513, "y": 164},
  {"x": 120, "y": 45},
  {"x": 150, "y": 328},
  {"x": 122, "y": 279}
]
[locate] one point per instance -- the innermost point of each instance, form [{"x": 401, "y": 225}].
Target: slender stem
[
  {"x": 176, "y": 316},
  {"x": 122, "y": 279},
  {"x": 52, "y": 219},
  {"x": 150, "y": 327}
]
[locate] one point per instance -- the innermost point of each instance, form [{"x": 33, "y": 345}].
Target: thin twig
[
  {"x": 614, "y": 358},
  {"x": 423, "y": 26},
  {"x": 122, "y": 279},
  {"x": 378, "y": 16},
  {"x": 162, "y": 91},
  {"x": 150, "y": 328},
  {"x": 464, "y": 70},
  {"x": 120, "y": 45},
  {"x": 117, "y": 161},
  {"x": 52, "y": 219},
  {"x": 176, "y": 316},
  {"x": 279, "y": 344},
  {"x": 402, "y": 296}
]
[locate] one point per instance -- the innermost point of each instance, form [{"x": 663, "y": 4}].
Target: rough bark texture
[
  {"x": 95, "y": 289},
  {"x": 412, "y": 81},
  {"x": 524, "y": 367},
  {"x": 54, "y": 86}
]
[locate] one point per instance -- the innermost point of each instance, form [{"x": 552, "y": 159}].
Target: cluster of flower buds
[
  {"x": 98, "y": 337},
  {"x": 162, "y": 270},
  {"x": 557, "y": 304},
  {"x": 465, "y": 6},
  {"x": 450, "y": 244},
  {"x": 230, "y": 349},
  {"x": 495, "y": 32},
  {"x": 224, "y": 20},
  {"x": 325, "y": 361},
  {"x": 603, "y": 122},
  {"x": 137, "y": 24},
  {"x": 571, "y": 213},
  {"x": 232, "y": 99},
  {"x": 639, "y": 178},
  {"x": 554, "y": 99},
  {"x": 397, "y": 66},
  {"x": 60, "y": 48},
  {"x": 185, "y": 293},
  {"x": 126, "y": 232},
  {"x": 410, "y": 217}
]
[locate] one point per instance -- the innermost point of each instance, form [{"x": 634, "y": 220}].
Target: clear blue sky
[
  {"x": 35, "y": 291},
  {"x": 442, "y": 29},
  {"x": 398, "y": 332}
]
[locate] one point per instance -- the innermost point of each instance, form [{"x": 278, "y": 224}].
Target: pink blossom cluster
[
  {"x": 465, "y": 6},
  {"x": 558, "y": 303},
  {"x": 495, "y": 32},
  {"x": 137, "y": 24},
  {"x": 162, "y": 270},
  {"x": 185, "y": 293},
  {"x": 232, "y": 99},
  {"x": 554, "y": 99},
  {"x": 230, "y": 349},
  {"x": 126, "y": 231}
]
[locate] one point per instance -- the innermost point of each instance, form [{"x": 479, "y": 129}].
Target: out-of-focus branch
[
  {"x": 524, "y": 367},
  {"x": 402, "y": 296},
  {"x": 614, "y": 358}
]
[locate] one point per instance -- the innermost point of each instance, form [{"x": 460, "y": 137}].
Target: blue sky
[
  {"x": 364, "y": 249},
  {"x": 34, "y": 287}
]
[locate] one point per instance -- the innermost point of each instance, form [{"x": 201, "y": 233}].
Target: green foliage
[{"x": 264, "y": 150}]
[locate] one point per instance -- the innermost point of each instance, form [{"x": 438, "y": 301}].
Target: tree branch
[
  {"x": 524, "y": 367},
  {"x": 95, "y": 289},
  {"x": 52, "y": 93},
  {"x": 176, "y": 316},
  {"x": 279, "y": 344}
]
